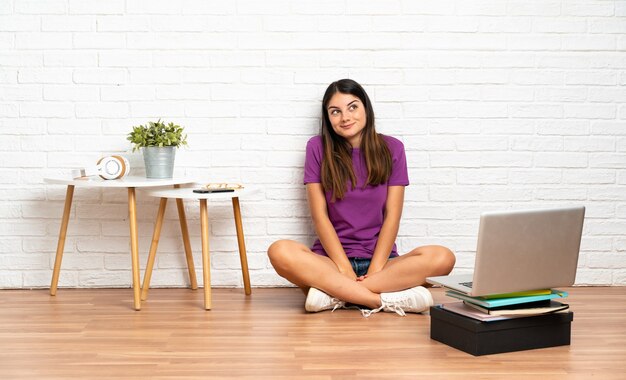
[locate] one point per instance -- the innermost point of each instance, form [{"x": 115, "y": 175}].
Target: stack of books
[{"x": 507, "y": 306}]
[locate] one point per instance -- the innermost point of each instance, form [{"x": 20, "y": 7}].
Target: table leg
[
  {"x": 206, "y": 262},
  {"x": 185, "y": 232},
  {"x": 134, "y": 247},
  {"x": 69, "y": 194},
  {"x": 153, "y": 248},
  {"x": 242, "y": 246}
]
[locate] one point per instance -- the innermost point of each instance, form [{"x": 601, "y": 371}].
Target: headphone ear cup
[
  {"x": 113, "y": 167},
  {"x": 124, "y": 164}
]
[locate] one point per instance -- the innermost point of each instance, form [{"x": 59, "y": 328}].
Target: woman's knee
[
  {"x": 445, "y": 260},
  {"x": 277, "y": 248},
  {"x": 280, "y": 252},
  {"x": 441, "y": 259}
]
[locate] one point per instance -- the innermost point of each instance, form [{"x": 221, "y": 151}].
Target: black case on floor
[{"x": 483, "y": 338}]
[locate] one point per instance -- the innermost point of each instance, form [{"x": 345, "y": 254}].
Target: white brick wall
[{"x": 501, "y": 104}]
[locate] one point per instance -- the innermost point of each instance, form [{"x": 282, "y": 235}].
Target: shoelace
[
  {"x": 396, "y": 308},
  {"x": 342, "y": 305},
  {"x": 338, "y": 304},
  {"x": 366, "y": 313},
  {"x": 388, "y": 307}
]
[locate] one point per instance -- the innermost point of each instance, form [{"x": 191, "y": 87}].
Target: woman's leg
[
  {"x": 301, "y": 266},
  {"x": 411, "y": 269}
]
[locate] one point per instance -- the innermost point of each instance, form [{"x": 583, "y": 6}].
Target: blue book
[{"x": 496, "y": 302}]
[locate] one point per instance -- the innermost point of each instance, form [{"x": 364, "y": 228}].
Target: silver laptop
[{"x": 522, "y": 250}]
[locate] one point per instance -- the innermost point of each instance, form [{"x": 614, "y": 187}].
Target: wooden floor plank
[{"x": 96, "y": 334}]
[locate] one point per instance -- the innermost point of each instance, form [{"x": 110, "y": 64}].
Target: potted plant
[{"x": 158, "y": 142}]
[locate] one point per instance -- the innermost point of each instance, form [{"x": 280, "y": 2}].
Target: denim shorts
[{"x": 359, "y": 265}]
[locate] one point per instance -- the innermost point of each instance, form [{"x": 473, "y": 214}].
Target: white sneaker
[
  {"x": 317, "y": 300},
  {"x": 414, "y": 300}
]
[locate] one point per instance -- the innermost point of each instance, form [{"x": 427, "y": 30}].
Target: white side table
[
  {"x": 187, "y": 193},
  {"x": 131, "y": 183}
]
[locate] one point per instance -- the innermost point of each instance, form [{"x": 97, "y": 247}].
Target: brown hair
[{"x": 337, "y": 162}]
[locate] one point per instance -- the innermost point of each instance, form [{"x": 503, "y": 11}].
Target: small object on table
[
  {"x": 222, "y": 186},
  {"x": 208, "y": 191}
]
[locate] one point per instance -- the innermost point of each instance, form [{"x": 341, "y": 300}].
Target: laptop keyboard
[{"x": 468, "y": 284}]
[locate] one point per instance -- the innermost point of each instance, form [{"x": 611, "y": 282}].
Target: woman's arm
[
  {"x": 389, "y": 230},
  {"x": 325, "y": 230}
]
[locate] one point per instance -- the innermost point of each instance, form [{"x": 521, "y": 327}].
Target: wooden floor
[{"x": 96, "y": 334}]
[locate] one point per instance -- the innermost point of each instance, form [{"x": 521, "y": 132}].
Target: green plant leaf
[{"x": 157, "y": 134}]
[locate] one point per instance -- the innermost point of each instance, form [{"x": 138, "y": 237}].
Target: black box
[{"x": 483, "y": 338}]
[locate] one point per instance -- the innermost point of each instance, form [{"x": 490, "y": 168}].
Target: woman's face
[{"x": 347, "y": 117}]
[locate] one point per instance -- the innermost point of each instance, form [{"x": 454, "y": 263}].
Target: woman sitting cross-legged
[{"x": 355, "y": 180}]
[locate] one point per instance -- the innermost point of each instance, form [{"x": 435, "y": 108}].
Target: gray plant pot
[{"x": 159, "y": 161}]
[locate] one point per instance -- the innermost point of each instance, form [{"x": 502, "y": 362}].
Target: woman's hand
[
  {"x": 348, "y": 272},
  {"x": 370, "y": 271}
]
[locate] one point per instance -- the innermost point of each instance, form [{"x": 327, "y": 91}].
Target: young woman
[{"x": 355, "y": 181}]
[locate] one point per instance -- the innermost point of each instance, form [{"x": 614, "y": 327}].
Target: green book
[{"x": 496, "y": 302}]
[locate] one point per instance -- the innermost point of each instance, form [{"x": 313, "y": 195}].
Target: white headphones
[{"x": 108, "y": 167}]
